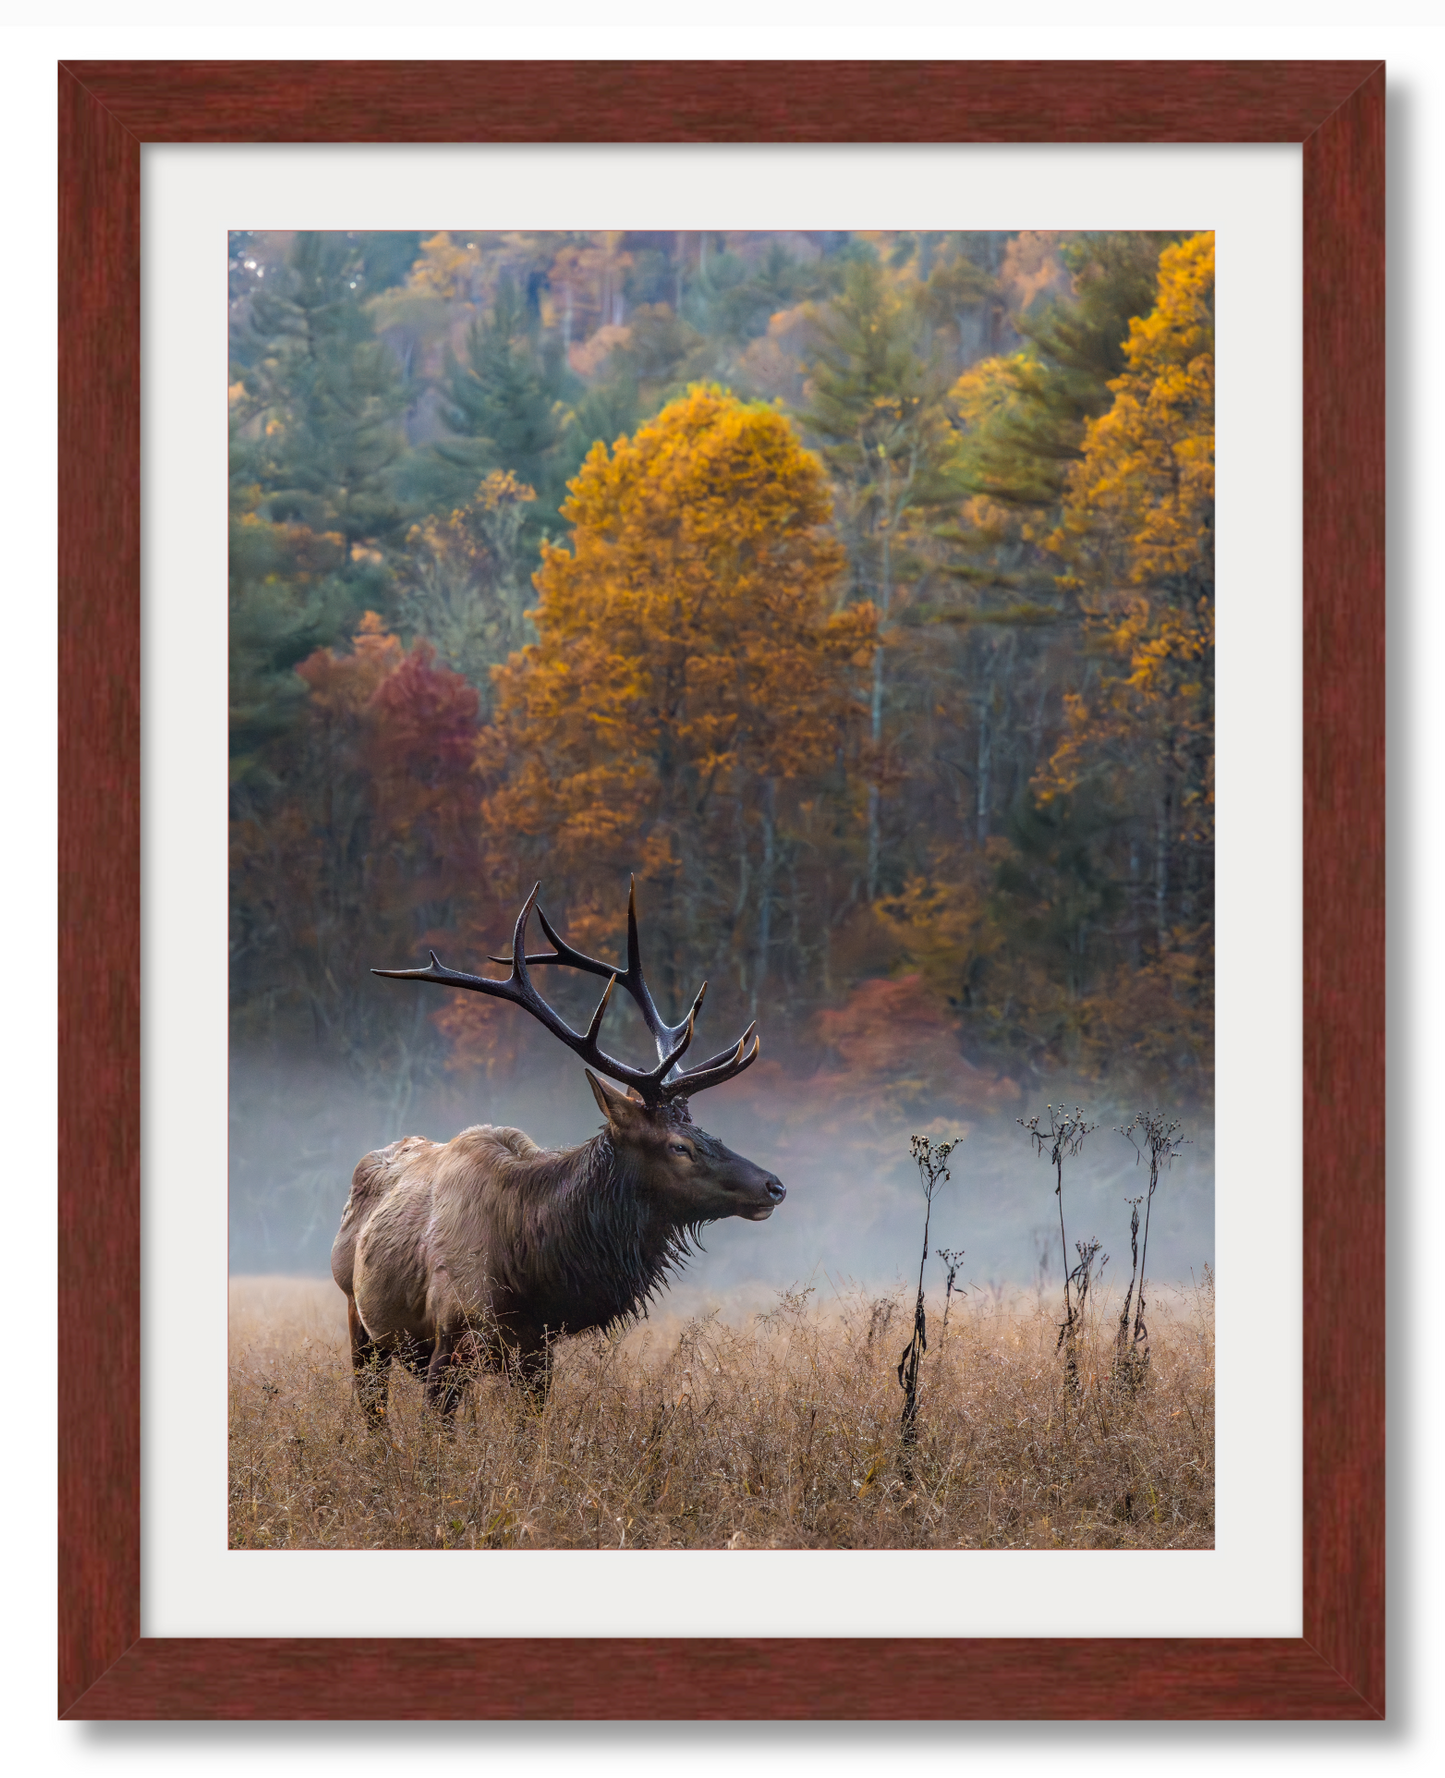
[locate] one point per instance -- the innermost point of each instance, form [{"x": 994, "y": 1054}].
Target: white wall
[{"x": 1417, "y": 100}]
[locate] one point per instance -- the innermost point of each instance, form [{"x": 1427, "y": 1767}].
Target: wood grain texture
[
  {"x": 721, "y": 101},
  {"x": 696, "y": 1679},
  {"x": 99, "y": 873},
  {"x": 106, "y": 111},
  {"x": 1344, "y": 884}
]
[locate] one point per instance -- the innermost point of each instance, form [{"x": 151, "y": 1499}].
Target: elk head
[{"x": 691, "y": 1176}]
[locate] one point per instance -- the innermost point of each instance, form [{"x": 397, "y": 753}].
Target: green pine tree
[
  {"x": 317, "y": 405},
  {"x": 324, "y": 399},
  {"x": 875, "y": 410},
  {"x": 504, "y": 404},
  {"x": 1025, "y": 414},
  {"x": 876, "y": 413}
]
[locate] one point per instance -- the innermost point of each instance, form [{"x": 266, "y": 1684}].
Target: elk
[{"x": 481, "y": 1250}]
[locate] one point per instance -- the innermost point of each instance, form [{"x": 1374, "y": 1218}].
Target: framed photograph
[{"x": 933, "y": 476}]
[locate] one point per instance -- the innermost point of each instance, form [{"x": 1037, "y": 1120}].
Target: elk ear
[{"x": 620, "y": 1109}]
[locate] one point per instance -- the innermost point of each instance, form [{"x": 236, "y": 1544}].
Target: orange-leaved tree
[{"x": 692, "y": 706}]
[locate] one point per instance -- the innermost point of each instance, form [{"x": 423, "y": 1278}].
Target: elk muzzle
[{"x": 770, "y": 1192}]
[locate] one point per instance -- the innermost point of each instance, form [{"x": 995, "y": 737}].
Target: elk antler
[{"x": 655, "y": 1085}]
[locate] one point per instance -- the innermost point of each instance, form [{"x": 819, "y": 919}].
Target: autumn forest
[{"x": 853, "y": 593}]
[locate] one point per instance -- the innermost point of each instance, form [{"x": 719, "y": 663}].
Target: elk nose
[{"x": 777, "y": 1191}]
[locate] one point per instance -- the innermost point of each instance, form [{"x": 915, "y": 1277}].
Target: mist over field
[{"x": 854, "y": 1211}]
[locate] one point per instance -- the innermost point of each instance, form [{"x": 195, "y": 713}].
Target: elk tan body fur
[{"x": 488, "y": 1232}]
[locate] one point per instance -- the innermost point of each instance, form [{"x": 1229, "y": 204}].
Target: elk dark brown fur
[{"x": 482, "y": 1250}]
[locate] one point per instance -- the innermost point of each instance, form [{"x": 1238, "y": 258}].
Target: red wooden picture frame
[{"x": 1336, "y": 110}]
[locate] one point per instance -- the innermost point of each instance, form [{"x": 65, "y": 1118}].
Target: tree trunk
[
  {"x": 985, "y": 761},
  {"x": 798, "y": 972},
  {"x": 765, "y": 890},
  {"x": 885, "y": 599}
]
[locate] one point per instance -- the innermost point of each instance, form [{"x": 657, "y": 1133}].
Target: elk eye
[{"x": 679, "y": 1148}]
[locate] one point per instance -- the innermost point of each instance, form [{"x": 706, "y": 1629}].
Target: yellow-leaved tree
[
  {"x": 1139, "y": 534},
  {"x": 690, "y": 709},
  {"x": 1083, "y": 937}
]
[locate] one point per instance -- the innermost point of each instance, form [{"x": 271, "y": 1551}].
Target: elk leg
[
  {"x": 369, "y": 1363},
  {"x": 416, "y": 1355},
  {"x": 446, "y": 1373}
]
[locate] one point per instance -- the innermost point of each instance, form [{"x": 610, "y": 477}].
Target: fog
[{"x": 854, "y": 1210}]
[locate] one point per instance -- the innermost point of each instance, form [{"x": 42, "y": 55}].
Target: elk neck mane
[{"x": 596, "y": 1231}]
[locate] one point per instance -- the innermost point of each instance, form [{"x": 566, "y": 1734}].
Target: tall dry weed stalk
[
  {"x": 932, "y": 1163},
  {"x": 1084, "y": 1272},
  {"x": 952, "y": 1258},
  {"x": 1121, "y": 1339},
  {"x": 1153, "y": 1135},
  {"x": 1063, "y": 1139}
]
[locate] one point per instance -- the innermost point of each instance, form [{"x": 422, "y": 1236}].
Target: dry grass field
[{"x": 776, "y": 1431}]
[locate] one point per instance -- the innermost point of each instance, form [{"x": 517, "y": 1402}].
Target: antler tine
[
  {"x": 585, "y": 1044},
  {"x": 601, "y": 1012},
  {"x": 697, "y": 1079},
  {"x": 634, "y": 948},
  {"x": 664, "y": 1035},
  {"x": 668, "y": 1059},
  {"x": 723, "y": 1056},
  {"x": 565, "y": 952},
  {"x": 518, "y": 958},
  {"x": 631, "y": 978},
  {"x": 561, "y": 951},
  {"x": 437, "y": 971}
]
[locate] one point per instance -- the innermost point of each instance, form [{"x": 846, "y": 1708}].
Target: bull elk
[{"x": 482, "y": 1249}]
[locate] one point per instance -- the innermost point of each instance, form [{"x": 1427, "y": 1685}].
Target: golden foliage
[
  {"x": 1139, "y": 530},
  {"x": 1144, "y": 494},
  {"x": 445, "y": 269},
  {"x": 685, "y": 649}
]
